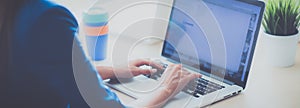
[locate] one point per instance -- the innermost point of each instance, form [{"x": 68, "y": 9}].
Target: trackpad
[{"x": 136, "y": 87}]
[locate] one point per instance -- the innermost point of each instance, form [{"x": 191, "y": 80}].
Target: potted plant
[{"x": 281, "y": 22}]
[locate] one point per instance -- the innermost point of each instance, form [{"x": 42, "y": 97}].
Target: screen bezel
[{"x": 240, "y": 83}]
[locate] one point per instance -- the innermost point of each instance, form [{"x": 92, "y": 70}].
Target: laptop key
[
  {"x": 204, "y": 87},
  {"x": 196, "y": 94}
]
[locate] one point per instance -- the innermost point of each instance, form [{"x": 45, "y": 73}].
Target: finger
[
  {"x": 146, "y": 71},
  {"x": 184, "y": 69},
  {"x": 171, "y": 65},
  {"x": 185, "y": 80},
  {"x": 193, "y": 76},
  {"x": 178, "y": 66},
  {"x": 185, "y": 72},
  {"x": 140, "y": 62},
  {"x": 169, "y": 69},
  {"x": 189, "y": 77},
  {"x": 156, "y": 64},
  {"x": 179, "y": 74},
  {"x": 198, "y": 75},
  {"x": 169, "y": 74}
]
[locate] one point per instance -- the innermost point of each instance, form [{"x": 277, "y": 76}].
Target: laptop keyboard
[
  {"x": 197, "y": 87},
  {"x": 201, "y": 86}
]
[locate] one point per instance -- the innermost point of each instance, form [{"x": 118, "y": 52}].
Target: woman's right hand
[
  {"x": 172, "y": 82},
  {"x": 175, "y": 78}
]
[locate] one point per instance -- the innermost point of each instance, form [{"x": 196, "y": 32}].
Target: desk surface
[{"x": 267, "y": 86}]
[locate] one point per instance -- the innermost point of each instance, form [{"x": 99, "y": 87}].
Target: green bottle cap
[{"x": 95, "y": 15}]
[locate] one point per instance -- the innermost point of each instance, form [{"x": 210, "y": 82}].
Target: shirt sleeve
[{"x": 60, "y": 63}]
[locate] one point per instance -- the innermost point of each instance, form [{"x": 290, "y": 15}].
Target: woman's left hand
[
  {"x": 133, "y": 68},
  {"x": 130, "y": 70}
]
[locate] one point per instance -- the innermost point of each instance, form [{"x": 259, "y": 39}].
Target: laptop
[{"x": 216, "y": 38}]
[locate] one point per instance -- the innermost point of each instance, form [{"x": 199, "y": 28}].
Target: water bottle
[{"x": 95, "y": 27}]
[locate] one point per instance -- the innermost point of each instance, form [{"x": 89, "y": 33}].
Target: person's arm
[
  {"x": 128, "y": 70},
  {"x": 106, "y": 72}
]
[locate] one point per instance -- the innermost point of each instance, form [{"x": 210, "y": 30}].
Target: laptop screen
[{"x": 217, "y": 36}]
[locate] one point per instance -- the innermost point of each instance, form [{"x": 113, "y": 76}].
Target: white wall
[
  {"x": 125, "y": 13},
  {"x": 76, "y": 6}
]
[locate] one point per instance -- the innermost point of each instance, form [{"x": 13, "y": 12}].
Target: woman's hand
[
  {"x": 133, "y": 68},
  {"x": 175, "y": 78},
  {"x": 172, "y": 82},
  {"x": 128, "y": 71}
]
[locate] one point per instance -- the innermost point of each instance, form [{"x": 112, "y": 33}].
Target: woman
[{"x": 36, "y": 44}]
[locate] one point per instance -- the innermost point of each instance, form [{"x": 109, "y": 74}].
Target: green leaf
[{"x": 282, "y": 17}]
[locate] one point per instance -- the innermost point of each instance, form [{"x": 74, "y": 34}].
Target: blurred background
[{"x": 124, "y": 13}]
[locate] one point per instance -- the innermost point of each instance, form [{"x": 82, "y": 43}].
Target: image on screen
[{"x": 237, "y": 22}]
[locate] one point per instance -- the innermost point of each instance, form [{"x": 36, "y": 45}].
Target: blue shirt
[{"x": 48, "y": 66}]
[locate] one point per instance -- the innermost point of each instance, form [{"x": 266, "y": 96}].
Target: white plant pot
[{"x": 281, "y": 50}]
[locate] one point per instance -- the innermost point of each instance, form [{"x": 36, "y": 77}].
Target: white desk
[{"x": 267, "y": 87}]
